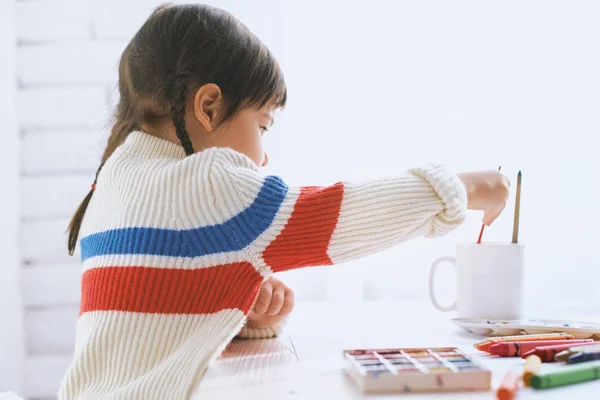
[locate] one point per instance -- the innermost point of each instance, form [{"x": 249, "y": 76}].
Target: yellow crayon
[{"x": 532, "y": 367}]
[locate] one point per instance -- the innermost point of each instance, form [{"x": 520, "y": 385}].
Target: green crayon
[{"x": 567, "y": 376}]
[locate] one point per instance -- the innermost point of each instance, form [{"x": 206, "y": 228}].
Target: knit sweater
[{"x": 175, "y": 250}]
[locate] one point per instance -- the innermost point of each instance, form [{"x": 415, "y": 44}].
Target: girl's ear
[{"x": 208, "y": 103}]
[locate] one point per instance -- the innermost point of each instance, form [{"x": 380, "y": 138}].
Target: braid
[
  {"x": 178, "y": 114},
  {"x": 98, "y": 173},
  {"x": 75, "y": 224},
  {"x": 126, "y": 122},
  {"x": 178, "y": 93}
]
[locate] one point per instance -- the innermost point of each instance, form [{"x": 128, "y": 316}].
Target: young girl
[{"x": 180, "y": 231}]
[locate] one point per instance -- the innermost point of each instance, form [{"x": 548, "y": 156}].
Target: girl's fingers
[
  {"x": 490, "y": 216},
  {"x": 251, "y": 315},
  {"x": 288, "y": 303},
  {"x": 277, "y": 299},
  {"x": 264, "y": 299}
]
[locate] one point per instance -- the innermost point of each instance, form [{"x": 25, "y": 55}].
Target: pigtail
[
  {"x": 75, "y": 224},
  {"x": 177, "y": 95},
  {"x": 125, "y": 123}
]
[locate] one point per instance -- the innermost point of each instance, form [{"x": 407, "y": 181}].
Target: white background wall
[
  {"x": 12, "y": 345},
  {"x": 374, "y": 88},
  {"x": 380, "y": 86}
]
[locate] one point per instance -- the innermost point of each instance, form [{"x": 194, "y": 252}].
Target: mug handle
[{"x": 434, "y": 266}]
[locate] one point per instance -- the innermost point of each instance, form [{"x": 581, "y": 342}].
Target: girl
[{"x": 180, "y": 231}]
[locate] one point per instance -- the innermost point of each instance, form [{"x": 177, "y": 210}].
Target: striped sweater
[{"x": 175, "y": 250}]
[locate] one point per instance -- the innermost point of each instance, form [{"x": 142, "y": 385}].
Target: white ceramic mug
[{"x": 489, "y": 281}]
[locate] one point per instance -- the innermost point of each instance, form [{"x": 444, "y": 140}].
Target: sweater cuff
[
  {"x": 451, "y": 191},
  {"x": 250, "y": 332}
]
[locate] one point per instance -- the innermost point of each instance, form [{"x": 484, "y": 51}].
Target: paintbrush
[
  {"x": 483, "y": 225},
  {"x": 515, "y": 236}
]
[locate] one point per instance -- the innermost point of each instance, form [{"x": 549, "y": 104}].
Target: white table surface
[{"x": 306, "y": 362}]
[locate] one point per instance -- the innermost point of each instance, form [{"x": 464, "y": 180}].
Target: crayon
[
  {"x": 509, "y": 386},
  {"x": 584, "y": 356},
  {"x": 484, "y": 345},
  {"x": 532, "y": 367},
  {"x": 547, "y": 353},
  {"x": 567, "y": 376},
  {"x": 564, "y": 355},
  {"x": 516, "y": 349}
]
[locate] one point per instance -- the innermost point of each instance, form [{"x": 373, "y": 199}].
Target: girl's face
[{"x": 244, "y": 131}]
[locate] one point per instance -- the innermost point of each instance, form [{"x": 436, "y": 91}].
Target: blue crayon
[{"x": 584, "y": 356}]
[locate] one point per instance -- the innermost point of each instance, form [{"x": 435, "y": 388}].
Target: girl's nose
[{"x": 266, "y": 160}]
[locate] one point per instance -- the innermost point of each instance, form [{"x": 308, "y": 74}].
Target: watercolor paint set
[
  {"x": 406, "y": 370},
  {"x": 579, "y": 329}
]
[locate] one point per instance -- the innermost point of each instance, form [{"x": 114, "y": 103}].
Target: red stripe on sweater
[
  {"x": 305, "y": 238},
  {"x": 170, "y": 291}
]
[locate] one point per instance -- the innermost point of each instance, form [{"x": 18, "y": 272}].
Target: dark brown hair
[{"x": 177, "y": 50}]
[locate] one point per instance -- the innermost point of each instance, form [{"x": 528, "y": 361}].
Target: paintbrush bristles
[{"x": 515, "y": 236}]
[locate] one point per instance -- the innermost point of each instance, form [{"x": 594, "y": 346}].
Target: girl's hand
[
  {"x": 274, "y": 302},
  {"x": 486, "y": 191}
]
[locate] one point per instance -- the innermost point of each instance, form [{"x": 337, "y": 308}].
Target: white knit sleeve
[
  {"x": 378, "y": 214},
  {"x": 307, "y": 226}
]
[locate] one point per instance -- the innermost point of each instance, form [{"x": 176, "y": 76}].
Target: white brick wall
[
  {"x": 12, "y": 354},
  {"x": 51, "y": 331},
  {"x": 43, "y": 373},
  {"x": 51, "y": 283},
  {"x": 69, "y": 64},
  {"x": 51, "y": 197},
  {"x": 116, "y": 19},
  {"x": 43, "y": 152},
  {"x": 55, "y": 107},
  {"x": 44, "y": 240},
  {"x": 66, "y": 78},
  {"x": 51, "y": 21}
]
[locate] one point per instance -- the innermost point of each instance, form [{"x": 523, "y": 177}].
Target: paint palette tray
[
  {"x": 414, "y": 370},
  {"x": 581, "y": 330}
]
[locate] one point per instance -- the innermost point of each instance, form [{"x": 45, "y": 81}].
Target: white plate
[
  {"x": 581, "y": 330},
  {"x": 485, "y": 326}
]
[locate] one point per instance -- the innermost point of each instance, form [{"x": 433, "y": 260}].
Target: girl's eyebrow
[{"x": 269, "y": 116}]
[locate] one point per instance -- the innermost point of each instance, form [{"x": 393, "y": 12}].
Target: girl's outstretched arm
[{"x": 286, "y": 227}]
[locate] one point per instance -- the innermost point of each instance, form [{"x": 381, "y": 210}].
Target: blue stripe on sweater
[{"x": 232, "y": 235}]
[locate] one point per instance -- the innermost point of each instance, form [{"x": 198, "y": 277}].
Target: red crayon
[
  {"x": 547, "y": 353},
  {"x": 485, "y": 344},
  {"x": 517, "y": 349}
]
